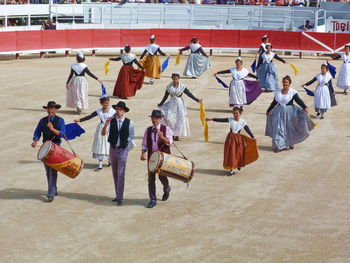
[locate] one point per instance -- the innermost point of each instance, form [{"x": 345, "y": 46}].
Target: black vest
[
  {"x": 49, "y": 135},
  {"x": 123, "y": 134}
]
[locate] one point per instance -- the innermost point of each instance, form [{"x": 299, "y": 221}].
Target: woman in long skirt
[
  {"x": 286, "y": 123},
  {"x": 100, "y": 147},
  {"x": 344, "y": 74},
  {"x": 198, "y": 61},
  {"x": 175, "y": 111},
  {"x": 266, "y": 69},
  {"x": 129, "y": 79},
  {"x": 237, "y": 91},
  {"x": 239, "y": 150},
  {"x": 324, "y": 97},
  {"x": 151, "y": 63},
  {"x": 77, "y": 86}
]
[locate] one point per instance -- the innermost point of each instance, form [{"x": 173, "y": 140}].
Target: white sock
[{"x": 100, "y": 164}]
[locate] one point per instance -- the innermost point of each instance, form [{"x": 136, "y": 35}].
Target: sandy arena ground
[{"x": 286, "y": 207}]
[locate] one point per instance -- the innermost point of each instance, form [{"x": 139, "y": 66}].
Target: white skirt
[
  {"x": 100, "y": 147},
  {"x": 77, "y": 93},
  {"x": 237, "y": 93},
  {"x": 344, "y": 76},
  {"x": 176, "y": 117},
  {"x": 322, "y": 98}
]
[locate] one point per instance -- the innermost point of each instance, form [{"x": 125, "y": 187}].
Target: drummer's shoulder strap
[{"x": 161, "y": 145}]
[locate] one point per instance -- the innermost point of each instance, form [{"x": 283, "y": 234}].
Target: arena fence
[{"x": 95, "y": 40}]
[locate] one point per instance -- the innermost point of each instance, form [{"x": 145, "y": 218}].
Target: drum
[
  {"x": 60, "y": 159},
  {"x": 171, "y": 166}
]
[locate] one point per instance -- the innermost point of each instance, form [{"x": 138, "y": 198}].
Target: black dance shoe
[
  {"x": 151, "y": 204},
  {"x": 165, "y": 196}
]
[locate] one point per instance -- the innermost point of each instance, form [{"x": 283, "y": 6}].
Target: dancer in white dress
[
  {"x": 238, "y": 96},
  {"x": 344, "y": 74},
  {"x": 100, "y": 147},
  {"x": 324, "y": 97},
  {"x": 198, "y": 61},
  {"x": 77, "y": 86},
  {"x": 175, "y": 111}
]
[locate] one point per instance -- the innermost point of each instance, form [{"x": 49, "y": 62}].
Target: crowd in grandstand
[{"x": 229, "y": 2}]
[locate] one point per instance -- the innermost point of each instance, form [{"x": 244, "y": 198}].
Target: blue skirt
[
  {"x": 267, "y": 75},
  {"x": 288, "y": 125}
]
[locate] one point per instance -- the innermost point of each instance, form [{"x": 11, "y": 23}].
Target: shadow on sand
[
  {"x": 215, "y": 172},
  {"x": 39, "y": 195}
]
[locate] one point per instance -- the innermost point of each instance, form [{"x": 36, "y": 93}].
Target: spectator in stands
[
  {"x": 44, "y": 25},
  {"x": 306, "y": 26},
  {"x": 11, "y": 22},
  {"x": 299, "y": 2},
  {"x": 51, "y": 25},
  {"x": 280, "y": 2}
]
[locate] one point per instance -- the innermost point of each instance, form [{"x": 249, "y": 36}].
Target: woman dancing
[
  {"x": 324, "y": 97},
  {"x": 198, "y": 61},
  {"x": 239, "y": 150},
  {"x": 100, "y": 147},
  {"x": 286, "y": 123},
  {"x": 175, "y": 111},
  {"x": 77, "y": 86},
  {"x": 266, "y": 69},
  {"x": 237, "y": 92},
  {"x": 129, "y": 79}
]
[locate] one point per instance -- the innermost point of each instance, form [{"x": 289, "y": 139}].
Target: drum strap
[
  {"x": 65, "y": 138},
  {"x": 69, "y": 145},
  {"x": 180, "y": 151}
]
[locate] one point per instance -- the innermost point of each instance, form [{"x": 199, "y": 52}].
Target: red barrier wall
[{"x": 115, "y": 38}]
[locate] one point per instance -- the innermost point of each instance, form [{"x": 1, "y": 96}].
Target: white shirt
[{"x": 131, "y": 131}]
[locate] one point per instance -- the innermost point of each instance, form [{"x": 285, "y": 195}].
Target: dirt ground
[{"x": 286, "y": 207}]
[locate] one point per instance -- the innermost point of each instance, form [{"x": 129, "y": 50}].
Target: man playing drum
[
  {"x": 121, "y": 134},
  {"x": 157, "y": 137},
  {"x": 52, "y": 128}
]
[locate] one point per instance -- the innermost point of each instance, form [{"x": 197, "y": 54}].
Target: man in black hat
[
  {"x": 121, "y": 133},
  {"x": 52, "y": 128},
  {"x": 157, "y": 137}
]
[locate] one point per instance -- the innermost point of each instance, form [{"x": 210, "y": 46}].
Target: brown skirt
[
  {"x": 152, "y": 66},
  {"x": 128, "y": 82},
  {"x": 239, "y": 151}
]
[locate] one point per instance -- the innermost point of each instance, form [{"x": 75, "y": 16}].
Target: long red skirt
[
  {"x": 239, "y": 151},
  {"x": 128, "y": 82}
]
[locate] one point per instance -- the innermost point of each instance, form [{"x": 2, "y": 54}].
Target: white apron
[
  {"x": 175, "y": 111},
  {"x": 322, "y": 98},
  {"x": 237, "y": 90},
  {"x": 100, "y": 147},
  {"x": 344, "y": 74}
]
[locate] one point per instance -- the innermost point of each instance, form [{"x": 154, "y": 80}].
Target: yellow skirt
[{"x": 152, "y": 66}]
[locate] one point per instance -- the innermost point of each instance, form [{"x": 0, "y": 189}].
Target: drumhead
[
  {"x": 44, "y": 149},
  {"x": 153, "y": 162}
]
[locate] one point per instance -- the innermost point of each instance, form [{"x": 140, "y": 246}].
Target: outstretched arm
[
  {"x": 189, "y": 94},
  {"x": 143, "y": 54},
  {"x": 138, "y": 64},
  {"x": 272, "y": 105},
  {"x": 246, "y": 128},
  {"x": 252, "y": 76},
  {"x": 223, "y": 72},
  {"x": 310, "y": 82},
  {"x": 166, "y": 95},
  {"x": 70, "y": 76},
  {"x": 279, "y": 58}
]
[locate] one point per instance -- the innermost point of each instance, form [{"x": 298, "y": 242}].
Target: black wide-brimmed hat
[
  {"x": 156, "y": 114},
  {"x": 121, "y": 104},
  {"x": 52, "y": 104}
]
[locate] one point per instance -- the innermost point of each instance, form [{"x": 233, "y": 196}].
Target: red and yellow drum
[
  {"x": 60, "y": 159},
  {"x": 171, "y": 166}
]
